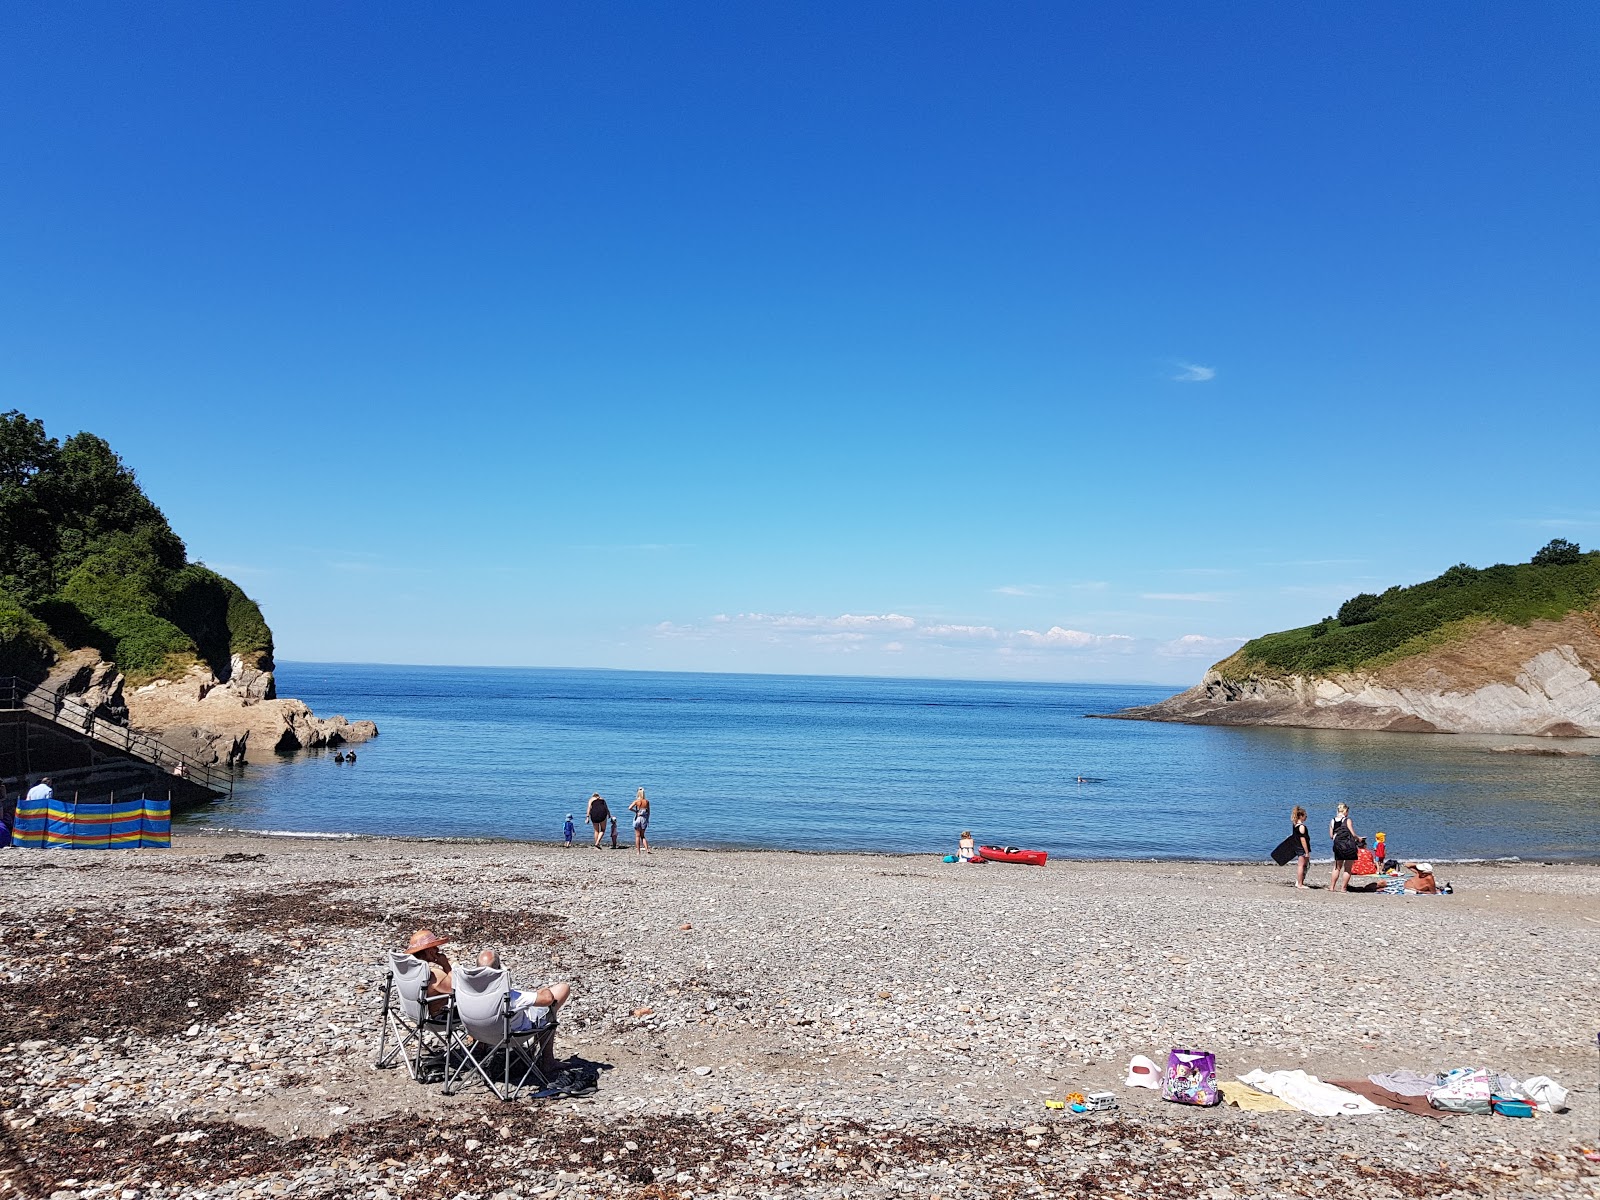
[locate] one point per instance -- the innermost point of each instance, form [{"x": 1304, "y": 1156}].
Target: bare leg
[
  {"x": 644, "y": 841},
  {"x": 1300, "y": 879},
  {"x": 1333, "y": 880}
]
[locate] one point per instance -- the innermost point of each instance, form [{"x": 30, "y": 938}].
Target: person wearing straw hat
[{"x": 424, "y": 944}]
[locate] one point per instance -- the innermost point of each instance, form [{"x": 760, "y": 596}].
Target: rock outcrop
[
  {"x": 224, "y": 721},
  {"x": 1541, "y": 679}
]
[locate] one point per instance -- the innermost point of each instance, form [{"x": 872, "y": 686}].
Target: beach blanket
[
  {"x": 1416, "y": 1105},
  {"x": 66, "y": 824},
  {"x": 1310, "y": 1094},
  {"x": 1242, "y": 1095},
  {"x": 1406, "y": 1083}
]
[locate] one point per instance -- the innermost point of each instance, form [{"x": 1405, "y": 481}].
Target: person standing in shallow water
[{"x": 640, "y": 809}]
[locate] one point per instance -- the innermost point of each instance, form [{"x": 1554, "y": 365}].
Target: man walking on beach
[{"x": 599, "y": 814}]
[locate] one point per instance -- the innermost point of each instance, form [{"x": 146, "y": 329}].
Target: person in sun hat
[{"x": 424, "y": 944}]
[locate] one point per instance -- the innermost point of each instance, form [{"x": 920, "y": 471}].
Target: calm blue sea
[{"x": 822, "y": 764}]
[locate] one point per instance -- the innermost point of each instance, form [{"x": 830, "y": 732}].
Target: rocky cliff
[
  {"x": 207, "y": 719},
  {"x": 1542, "y": 678}
]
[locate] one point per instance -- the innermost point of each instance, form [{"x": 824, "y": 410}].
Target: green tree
[
  {"x": 1558, "y": 552},
  {"x": 1359, "y": 609}
]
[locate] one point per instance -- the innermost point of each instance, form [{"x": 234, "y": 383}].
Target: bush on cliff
[
  {"x": 86, "y": 559},
  {"x": 1408, "y": 620}
]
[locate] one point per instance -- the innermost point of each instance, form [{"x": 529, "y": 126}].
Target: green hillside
[
  {"x": 87, "y": 560},
  {"x": 1371, "y": 631}
]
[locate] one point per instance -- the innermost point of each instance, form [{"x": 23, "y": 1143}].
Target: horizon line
[{"x": 751, "y": 674}]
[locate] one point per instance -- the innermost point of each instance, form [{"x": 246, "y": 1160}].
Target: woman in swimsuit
[
  {"x": 640, "y": 809},
  {"x": 1298, "y": 816}
]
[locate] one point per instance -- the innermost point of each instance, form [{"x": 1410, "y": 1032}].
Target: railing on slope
[{"x": 17, "y": 695}]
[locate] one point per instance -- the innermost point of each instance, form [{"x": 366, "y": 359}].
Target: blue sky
[{"x": 983, "y": 340}]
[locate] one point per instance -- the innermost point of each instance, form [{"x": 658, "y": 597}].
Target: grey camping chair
[
  {"x": 488, "y": 1035},
  {"x": 417, "y": 1032}
]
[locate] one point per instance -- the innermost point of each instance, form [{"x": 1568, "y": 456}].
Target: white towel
[{"x": 1310, "y": 1094}]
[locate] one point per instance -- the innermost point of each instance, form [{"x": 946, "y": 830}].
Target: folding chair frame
[
  {"x": 463, "y": 1052},
  {"x": 411, "y": 1038}
]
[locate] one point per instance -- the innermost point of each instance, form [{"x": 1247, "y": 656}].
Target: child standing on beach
[
  {"x": 568, "y": 830},
  {"x": 613, "y": 833}
]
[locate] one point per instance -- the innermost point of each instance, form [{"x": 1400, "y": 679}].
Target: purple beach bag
[{"x": 1191, "y": 1077}]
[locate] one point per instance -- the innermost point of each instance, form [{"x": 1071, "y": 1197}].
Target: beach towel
[
  {"x": 1416, "y": 1105},
  {"x": 1310, "y": 1094},
  {"x": 1406, "y": 1083},
  {"x": 1242, "y": 1095}
]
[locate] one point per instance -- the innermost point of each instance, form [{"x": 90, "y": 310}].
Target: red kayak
[{"x": 1034, "y": 858}]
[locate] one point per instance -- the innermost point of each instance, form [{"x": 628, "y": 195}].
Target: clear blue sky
[{"x": 847, "y": 338}]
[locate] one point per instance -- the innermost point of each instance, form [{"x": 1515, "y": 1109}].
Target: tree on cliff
[
  {"x": 87, "y": 559},
  {"x": 1558, "y": 552}
]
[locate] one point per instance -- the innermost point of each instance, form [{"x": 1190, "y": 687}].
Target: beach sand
[{"x": 187, "y": 1022}]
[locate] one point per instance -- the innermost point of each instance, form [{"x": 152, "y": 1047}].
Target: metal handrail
[{"x": 16, "y": 695}]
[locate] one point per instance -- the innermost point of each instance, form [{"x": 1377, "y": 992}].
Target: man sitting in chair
[{"x": 532, "y": 1010}]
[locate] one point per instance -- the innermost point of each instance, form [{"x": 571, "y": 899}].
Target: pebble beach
[{"x": 202, "y": 1022}]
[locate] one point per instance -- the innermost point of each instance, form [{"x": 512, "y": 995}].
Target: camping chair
[
  {"x": 417, "y": 1032},
  {"x": 483, "y": 1028}
]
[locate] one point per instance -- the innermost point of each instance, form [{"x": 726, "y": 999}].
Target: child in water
[{"x": 567, "y": 831}]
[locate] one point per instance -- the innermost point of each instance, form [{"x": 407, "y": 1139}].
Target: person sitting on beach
[
  {"x": 966, "y": 852},
  {"x": 1365, "y": 864},
  {"x": 1419, "y": 883},
  {"x": 1421, "y": 880},
  {"x": 424, "y": 944},
  {"x": 532, "y": 1010}
]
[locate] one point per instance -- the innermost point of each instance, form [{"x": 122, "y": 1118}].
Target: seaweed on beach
[
  {"x": 476, "y": 1152},
  {"x": 115, "y": 988},
  {"x": 307, "y": 907}
]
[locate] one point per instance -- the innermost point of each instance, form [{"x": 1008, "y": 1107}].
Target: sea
[{"x": 829, "y": 764}]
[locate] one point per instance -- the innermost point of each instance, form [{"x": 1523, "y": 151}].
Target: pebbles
[{"x": 831, "y": 1028}]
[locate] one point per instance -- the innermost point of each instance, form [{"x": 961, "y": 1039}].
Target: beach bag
[
  {"x": 1546, "y": 1093},
  {"x": 1463, "y": 1091},
  {"x": 1191, "y": 1078}
]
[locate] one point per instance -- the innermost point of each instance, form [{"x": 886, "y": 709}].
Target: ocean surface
[{"x": 847, "y": 764}]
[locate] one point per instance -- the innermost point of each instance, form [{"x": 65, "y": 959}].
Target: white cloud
[
  {"x": 964, "y": 632},
  {"x": 1072, "y": 639},
  {"x": 1190, "y": 597},
  {"x": 895, "y": 647},
  {"x": 1198, "y": 645},
  {"x": 884, "y": 621},
  {"x": 1194, "y": 373},
  {"x": 1019, "y": 589}
]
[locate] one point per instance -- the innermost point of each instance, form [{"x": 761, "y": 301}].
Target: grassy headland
[
  {"x": 87, "y": 560},
  {"x": 1371, "y": 631}
]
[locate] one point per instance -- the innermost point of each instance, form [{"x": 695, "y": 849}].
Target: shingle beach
[{"x": 202, "y": 1022}]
